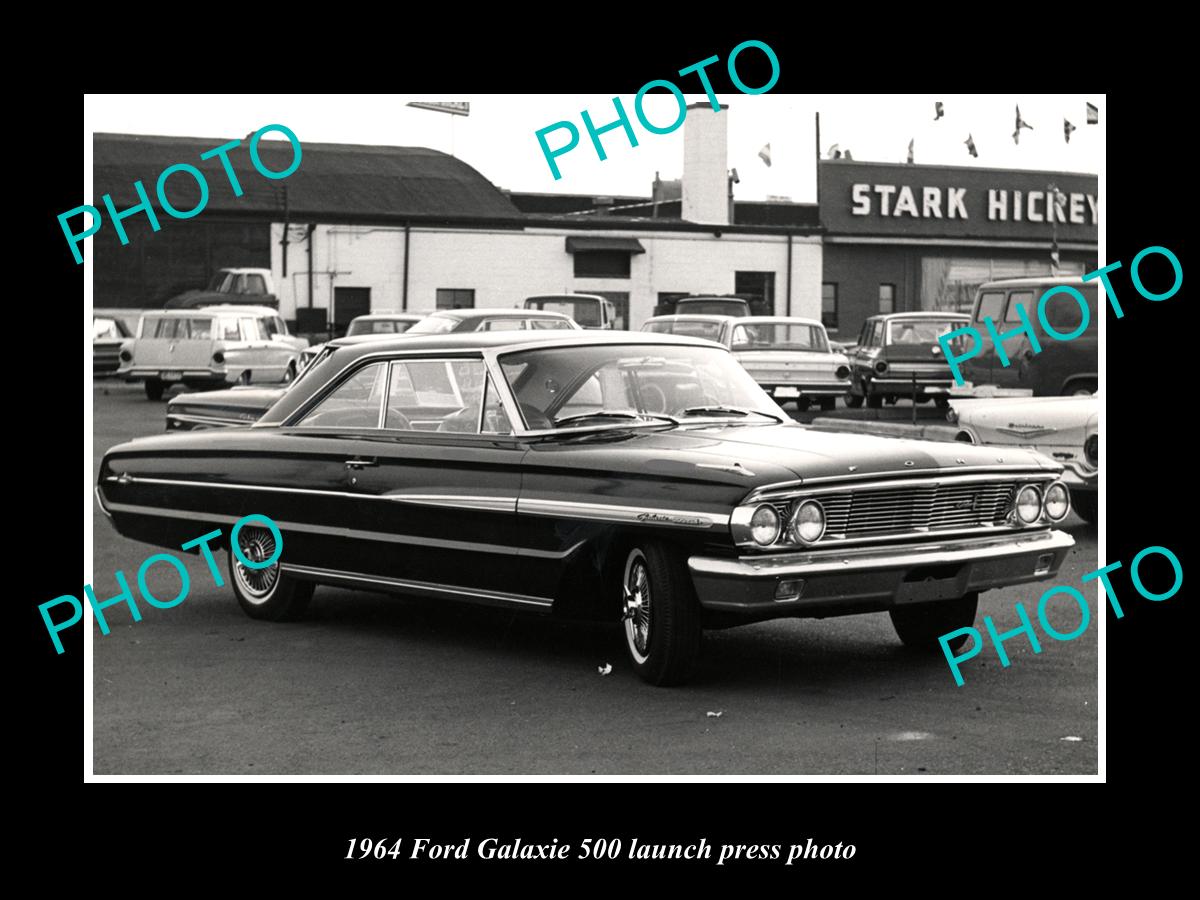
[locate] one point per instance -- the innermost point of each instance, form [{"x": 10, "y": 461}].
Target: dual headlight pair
[
  {"x": 806, "y": 524},
  {"x": 1032, "y": 503}
]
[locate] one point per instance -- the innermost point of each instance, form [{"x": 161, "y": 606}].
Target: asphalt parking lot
[{"x": 376, "y": 684}]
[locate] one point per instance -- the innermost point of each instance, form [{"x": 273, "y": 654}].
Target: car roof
[
  {"x": 696, "y": 317},
  {"x": 486, "y": 340},
  {"x": 501, "y": 312},
  {"x": 922, "y": 315},
  {"x": 712, "y": 297},
  {"x": 1076, "y": 280},
  {"x": 242, "y": 270},
  {"x": 791, "y": 320},
  {"x": 415, "y": 317},
  {"x": 242, "y": 308},
  {"x": 564, "y": 297}
]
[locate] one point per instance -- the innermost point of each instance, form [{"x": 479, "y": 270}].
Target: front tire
[
  {"x": 154, "y": 388},
  {"x": 920, "y": 626},
  {"x": 267, "y": 593},
  {"x": 660, "y": 614}
]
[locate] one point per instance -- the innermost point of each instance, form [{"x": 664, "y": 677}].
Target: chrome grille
[{"x": 887, "y": 511}]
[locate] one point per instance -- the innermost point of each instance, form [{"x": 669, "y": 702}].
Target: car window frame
[{"x": 379, "y": 431}]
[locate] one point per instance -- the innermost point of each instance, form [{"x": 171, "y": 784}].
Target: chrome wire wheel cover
[
  {"x": 256, "y": 544},
  {"x": 636, "y": 615}
]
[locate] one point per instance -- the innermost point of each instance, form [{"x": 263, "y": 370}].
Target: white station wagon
[
  {"x": 211, "y": 347},
  {"x": 781, "y": 353}
]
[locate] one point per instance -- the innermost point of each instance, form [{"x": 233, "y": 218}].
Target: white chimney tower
[{"x": 705, "y": 169}]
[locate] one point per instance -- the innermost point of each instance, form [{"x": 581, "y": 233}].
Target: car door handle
[{"x": 361, "y": 463}]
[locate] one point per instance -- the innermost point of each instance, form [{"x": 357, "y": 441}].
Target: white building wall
[{"x": 503, "y": 267}]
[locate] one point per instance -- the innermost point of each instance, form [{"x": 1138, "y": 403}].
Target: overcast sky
[{"x": 498, "y": 136}]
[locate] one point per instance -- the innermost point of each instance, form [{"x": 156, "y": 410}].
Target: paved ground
[{"x": 378, "y": 684}]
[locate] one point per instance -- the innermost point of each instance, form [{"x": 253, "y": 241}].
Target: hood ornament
[
  {"x": 852, "y": 468},
  {"x": 909, "y": 462}
]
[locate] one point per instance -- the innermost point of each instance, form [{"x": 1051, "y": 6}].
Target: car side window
[
  {"x": 249, "y": 329},
  {"x": 255, "y": 284},
  {"x": 740, "y": 336},
  {"x": 268, "y": 326},
  {"x": 1022, "y": 298},
  {"x": 443, "y": 395},
  {"x": 229, "y": 330},
  {"x": 504, "y": 325},
  {"x": 355, "y": 403},
  {"x": 991, "y": 304}
]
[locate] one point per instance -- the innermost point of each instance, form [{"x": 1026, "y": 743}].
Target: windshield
[
  {"x": 219, "y": 280},
  {"x": 435, "y": 324},
  {"x": 633, "y": 384},
  {"x": 710, "y": 331},
  {"x": 779, "y": 336},
  {"x": 713, "y": 307},
  {"x": 377, "y": 326},
  {"x": 584, "y": 311},
  {"x": 920, "y": 331}
]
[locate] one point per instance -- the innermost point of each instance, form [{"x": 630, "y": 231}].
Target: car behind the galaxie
[
  {"x": 1066, "y": 429},
  {"x": 640, "y": 478}
]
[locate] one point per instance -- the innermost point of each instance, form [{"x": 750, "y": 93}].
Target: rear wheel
[
  {"x": 244, "y": 378},
  {"x": 942, "y": 402},
  {"x": 154, "y": 388},
  {"x": 920, "y": 626},
  {"x": 289, "y": 374},
  {"x": 660, "y": 614},
  {"x": 1087, "y": 505},
  {"x": 1080, "y": 387},
  {"x": 265, "y": 593}
]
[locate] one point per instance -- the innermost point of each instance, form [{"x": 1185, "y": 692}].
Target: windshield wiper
[
  {"x": 728, "y": 411},
  {"x": 566, "y": 420}
]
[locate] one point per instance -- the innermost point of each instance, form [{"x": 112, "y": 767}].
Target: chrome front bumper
[{"x": 863, "y": 578}]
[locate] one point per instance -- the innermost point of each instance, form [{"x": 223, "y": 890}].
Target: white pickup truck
[
  {"x": 250, "y": 286},
  {"x": 210, "y": 348}
]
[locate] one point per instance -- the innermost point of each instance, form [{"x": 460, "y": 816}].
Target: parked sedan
[
  {"x": 779, "y": 352},
  {"x": 383, "y": 323},
  {"x": 529, "y": 472},
  {"x": 898, "y": 355},
  {"x": 1065, "y": 429},
  {"x": 109, "y": 332}
]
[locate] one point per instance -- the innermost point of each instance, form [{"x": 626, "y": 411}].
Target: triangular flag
[
  {"x": 1093, "y": 114},
  {"x": 834, "y": 152},
  {"x": 1067, "y": 129},
  {"x": 765, "y": 154},
  {"x": 910, "y": 151},
  {"x": 970, "y": 142},
  {"x": 1021, "y": 123},
  {"x": 846, "y": 154},
  {"x": 938, "y": 110}
]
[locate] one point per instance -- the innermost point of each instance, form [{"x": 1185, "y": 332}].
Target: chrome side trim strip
[
  {"x": 356, "y": 533},
  {"x": 626, "y": 515},
  {"x": 425, "y": 587},
  {"x": 457, "y": 501},
  {"x": 208, "y": 420}
]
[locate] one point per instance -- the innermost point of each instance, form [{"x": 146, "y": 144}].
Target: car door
[
  {"x": 263, "y": 359},
  {"x": 436, "y": 484},
  {"x": 990, "y": 305}
]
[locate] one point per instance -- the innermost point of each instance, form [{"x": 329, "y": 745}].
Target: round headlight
[
  {"x": 881, "y": 366},
  {"x": 1028, "y": 505},
  {"x": 1091, "y": 451},
  {"x": 842, "y": 372},
  {"x": 1057, "y": 502},
  {"x": 764, "y": 525},
  {"x": 808, "y": 522}
]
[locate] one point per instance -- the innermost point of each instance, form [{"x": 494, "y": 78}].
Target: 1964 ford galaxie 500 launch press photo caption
[{"x": 635, "y": 477}]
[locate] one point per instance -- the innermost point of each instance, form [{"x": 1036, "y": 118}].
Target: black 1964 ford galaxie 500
[{"x": 638, "y": 477}]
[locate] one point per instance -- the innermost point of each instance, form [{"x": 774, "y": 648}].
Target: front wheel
[
  {"x": 920, "y": 626},
  {"x": 660, "y": 614},
  {"x": 265, "y": 593}
]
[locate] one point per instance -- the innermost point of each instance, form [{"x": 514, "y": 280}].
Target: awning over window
[{"x": 584, "y": 244}]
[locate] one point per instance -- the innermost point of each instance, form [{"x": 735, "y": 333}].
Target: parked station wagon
[
  {"x": 451, "y": 321},
  {"x": 898, "y": 355},
  {"x": 530, "y": 472},
  {"x": 1062, "y": 367},
  {"x": 206, "y": 348},
  {"x": 780, "y": 353}
]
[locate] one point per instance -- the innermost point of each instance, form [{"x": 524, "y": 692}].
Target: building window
[
  {"x": 758, "y": 288},
  {"x": 455, "y": 298},
  {"x": 829, "y": 305},
  {"x": 602, "y": 264},
  {"x": 887, "y": 298}
]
